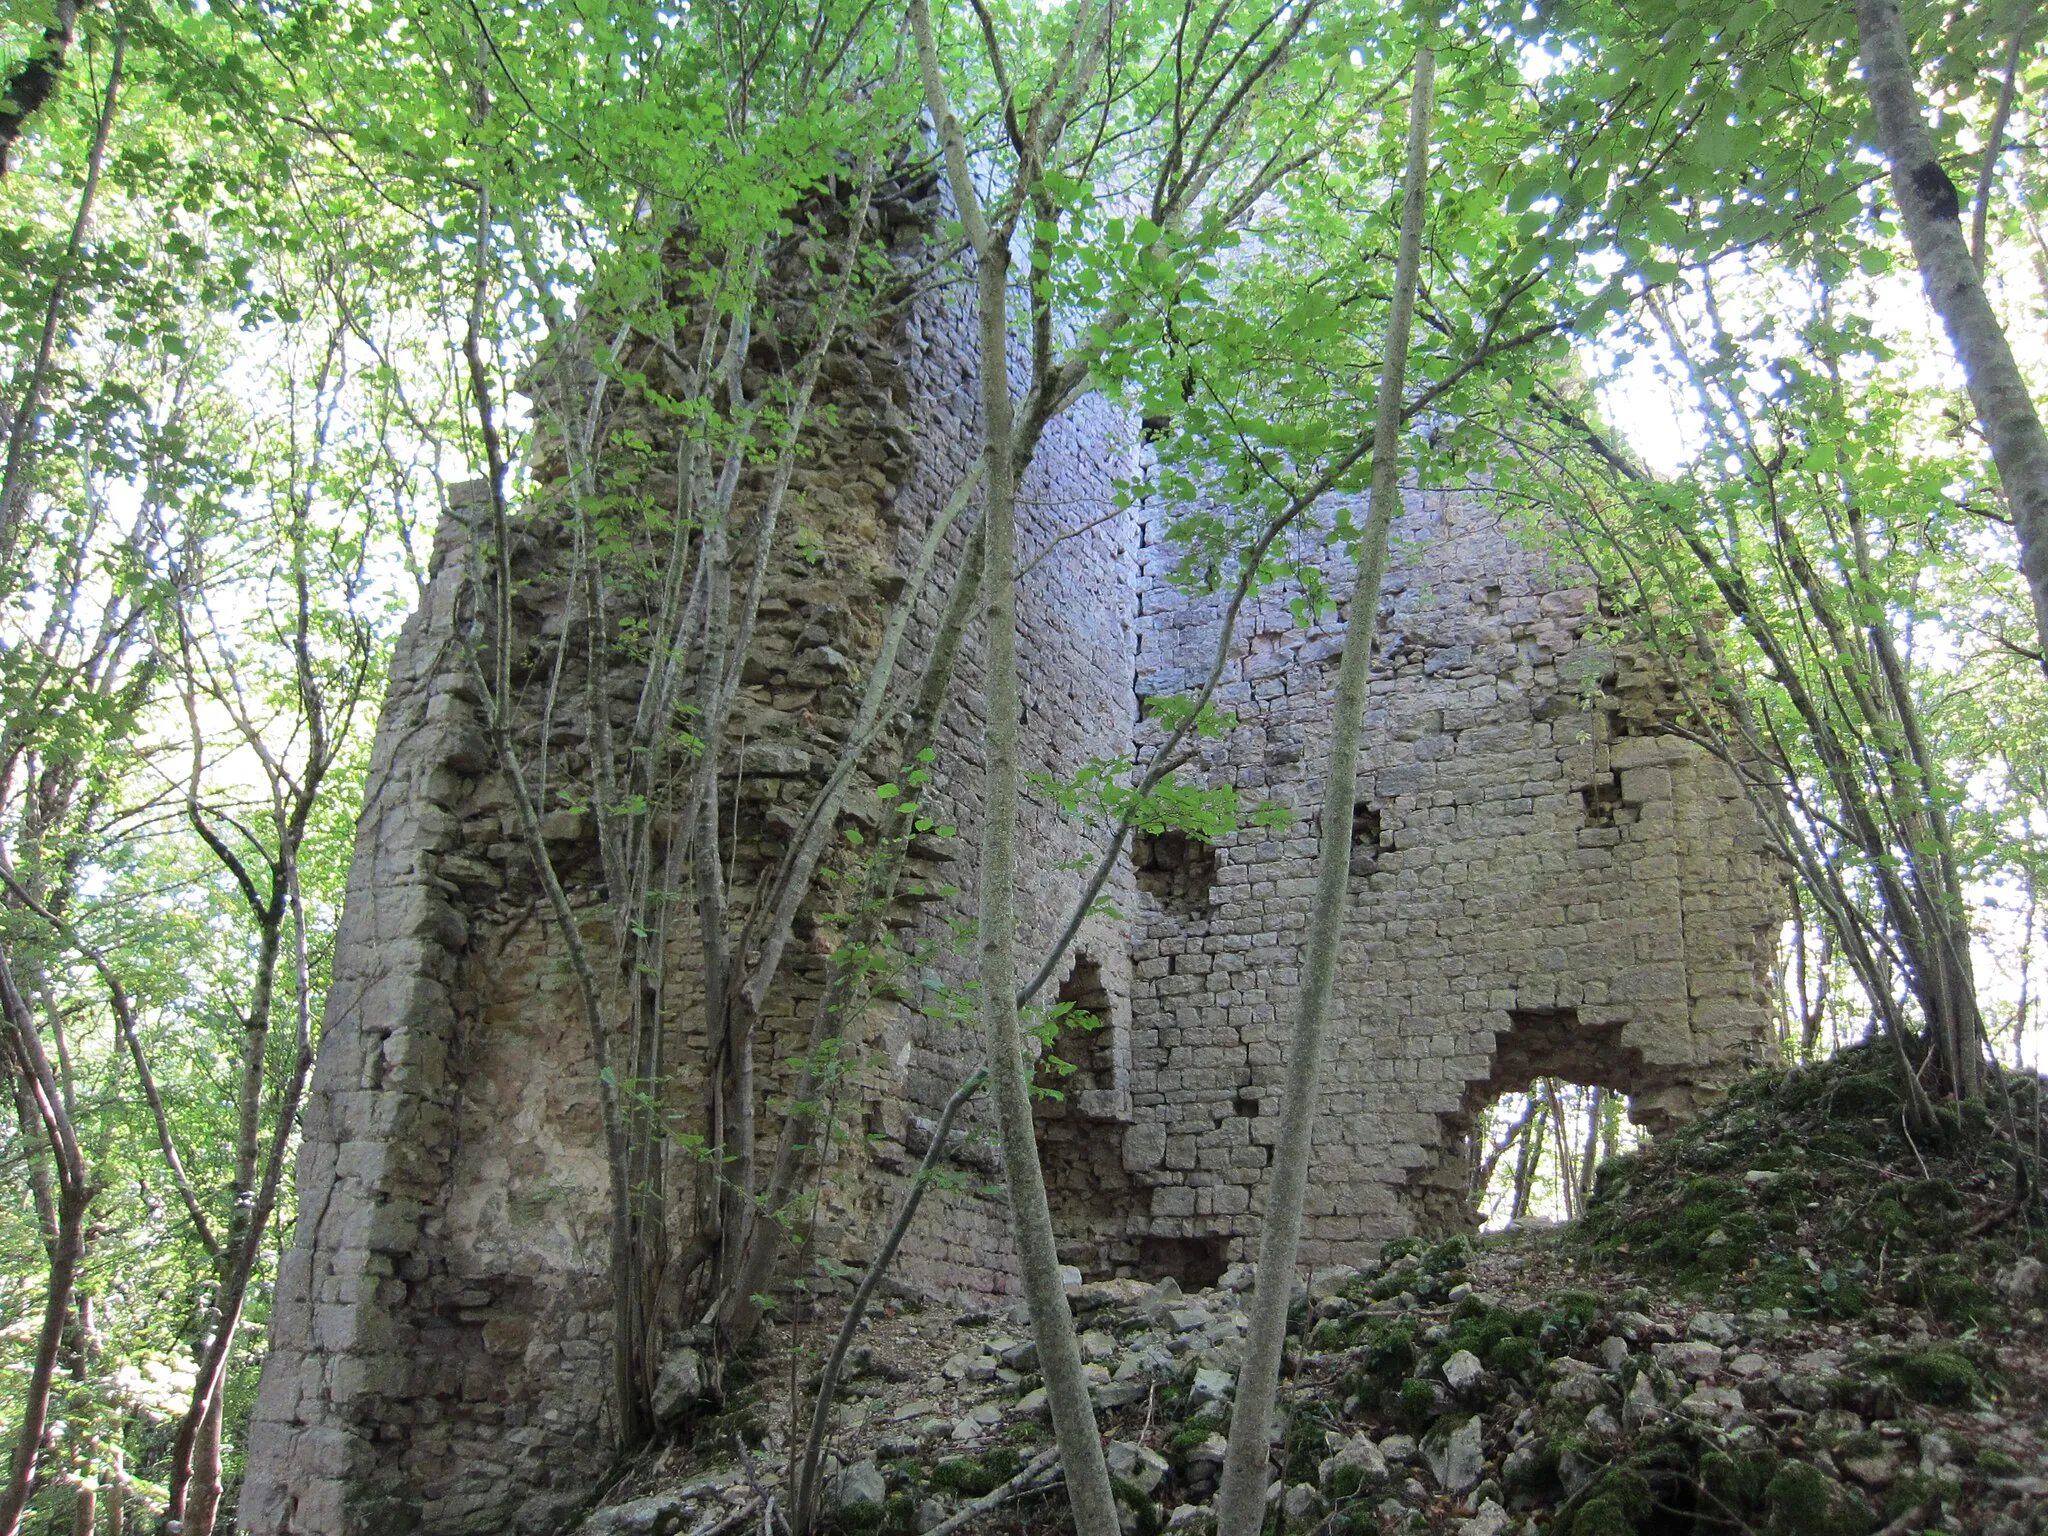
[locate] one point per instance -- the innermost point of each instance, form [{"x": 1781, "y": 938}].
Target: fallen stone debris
[{"x": 1863, "y": 1353}]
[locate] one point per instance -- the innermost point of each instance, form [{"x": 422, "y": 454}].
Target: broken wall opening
[
  {"x": 1526, "y": 1143},
  {"x": 1535, "y": 1154},
  {"x": 1366, "y": 828},
  {"x": 1603, "y": 803},
  {"x": 1079, "y": 1117},
  {"x": 1195, "y": 1263}
]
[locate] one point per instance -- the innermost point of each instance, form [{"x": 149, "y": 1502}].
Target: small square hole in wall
[
  {"x": 1365, "y": 838},
  {"x": 1178, "y": 869},
  {"x": 1602, "y": 801}
]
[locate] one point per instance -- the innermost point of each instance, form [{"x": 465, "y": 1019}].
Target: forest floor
[{"x": 1790, "y": 1317}]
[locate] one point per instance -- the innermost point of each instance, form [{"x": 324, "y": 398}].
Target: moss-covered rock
[
  {"x": 973, "y": 1476},
  {"x": 1735, "y": 1484},
  {"x": 1616, "y": 1504},
  {"x": 1146, "y": 1520},
  {"x": 1940, "y": 1376},
  {"x": 1802, "y": 1500},
  {"x": 858, "y": 1520},
  {"x": 1418, "y": 1404},
  {"x": 1573, "y": 1311}
]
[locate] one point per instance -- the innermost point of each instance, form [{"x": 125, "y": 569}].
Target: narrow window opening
[{"x": 1365, "y": 838}]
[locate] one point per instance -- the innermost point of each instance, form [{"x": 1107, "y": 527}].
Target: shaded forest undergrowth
[{"x": 1793, "y": 1316}]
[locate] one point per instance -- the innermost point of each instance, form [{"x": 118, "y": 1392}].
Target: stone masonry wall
[
  {"x": 1544, "y": 881},
  {"x": 441, "y": 1328}
]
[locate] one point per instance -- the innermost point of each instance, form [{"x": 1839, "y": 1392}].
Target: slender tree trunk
[
  {"x": 846, "y": 991},
  {"x": 84, "y": 1360},
  {"x": 1596, "y": 1108},
  {"x": 204, "y": 1508},
  {"x": 1567, "y": 1180},
  {"x": 42, "y": 1191},
  {"x": 202, "y": 1501},
  {"x": 195, "y": 1462},
  {"x": 1517, "y": 1134},
  {"x": 1529, "y": 1159},
  {"x": 1059, "y": 1352},
  {"x": 920, "y": 1182},
  {"x": 1090, "y": 1497},
  {"x": 14, "y": 479},
  {"x": 1241, "y": 1503},
  {"x": 1813, "y": 1004},
  {"x": 1931, "y": 210},
  {"x": 195, "y": 1481},
  {"x": 74, "y": 1199}
]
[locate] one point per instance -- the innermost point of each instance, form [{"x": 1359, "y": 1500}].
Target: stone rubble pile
[{"x": 1419, "y": 1400}]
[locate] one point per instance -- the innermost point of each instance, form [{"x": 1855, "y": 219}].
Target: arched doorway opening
[{"x": 1080, "y": 1109}]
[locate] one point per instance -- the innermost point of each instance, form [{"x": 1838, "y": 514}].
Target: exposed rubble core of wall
[
  {"x": 1543, "y": 882},
  {"x": 442, "y": 1325}
]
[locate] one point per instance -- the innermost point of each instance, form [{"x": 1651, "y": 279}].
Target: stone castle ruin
[{"x": 1545, "y": 881}]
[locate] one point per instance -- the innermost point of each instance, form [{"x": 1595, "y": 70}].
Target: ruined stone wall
[
  {"x": 441, "y": 1332},
  {"x": 1544, "y": 882}
]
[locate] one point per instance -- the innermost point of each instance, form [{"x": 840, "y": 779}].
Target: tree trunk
[
  {"x": 1931, "y": 210},
  {"x": 195, "y": 1463},
  {"x": 14, "y": 480},
  {"x": 1528, "y": 1160},
  {"x": 74, "y": 1199},
  {"x": 1596, "y": 1107},
  {"x": 203, "y": 1492},
  {"x": 1567, "y": 1179},
  {"x": 1059, "y": 1351},
  {"x": 846, "y": 991},
  {"x": 1090, "y": 1497},
  {"x": 1241, "y": 1503},
  {"x": 36, "y": 81},
  {"x": 856, "y": 1309}
]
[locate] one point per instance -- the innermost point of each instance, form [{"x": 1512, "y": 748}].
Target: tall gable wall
[{"x": 1543, "y": 882}]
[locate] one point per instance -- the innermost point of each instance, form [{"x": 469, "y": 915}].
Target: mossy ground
[
  {"x": 1809, "y": 1189},
  {"x": 1860, "y": 1258}
]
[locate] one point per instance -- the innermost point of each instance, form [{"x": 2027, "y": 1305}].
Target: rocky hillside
[{"x": 1792, "y": 1317}]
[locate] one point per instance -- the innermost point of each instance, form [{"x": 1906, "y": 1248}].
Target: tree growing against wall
[
  {"x": 1820, "y": 535},
  {"x": 1222, "y": 129},
  {"x": 1241, "y": 1501}
]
